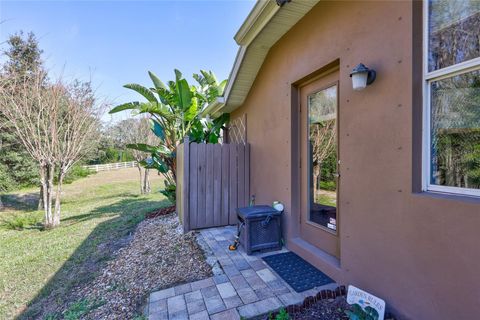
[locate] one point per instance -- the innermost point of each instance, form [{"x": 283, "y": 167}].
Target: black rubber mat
[{"x": 298, "y": 273}]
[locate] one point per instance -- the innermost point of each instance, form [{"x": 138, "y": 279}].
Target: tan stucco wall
[{"x": 417, "y": 251}]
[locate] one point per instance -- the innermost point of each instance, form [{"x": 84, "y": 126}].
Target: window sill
[{"x": 448, "y": 196}]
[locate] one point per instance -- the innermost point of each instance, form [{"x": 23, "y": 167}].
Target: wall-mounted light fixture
[
  {"x": 280, "y": 3},
  {"x": 362, "y": 77}
]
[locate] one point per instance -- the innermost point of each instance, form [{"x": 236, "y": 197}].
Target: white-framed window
[{"x": 451, "y": 142}]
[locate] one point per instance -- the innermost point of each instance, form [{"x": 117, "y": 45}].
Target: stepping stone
[
  {"x": 230, "y": 314},
  {"x": 162, "y": 294}
]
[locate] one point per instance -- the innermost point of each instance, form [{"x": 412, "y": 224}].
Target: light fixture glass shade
[{"x": 359, "y": 80}]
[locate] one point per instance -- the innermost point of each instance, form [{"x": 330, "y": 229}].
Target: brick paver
[
  {"x": 214, "y": 304},
  {"x": 163, "y": 294},
  {"x": 231, "y": 314},
  {"x": 176, "y": 305},
  {"x": 184, "y": 288},
  {"x": 226, "y": 290},
  {"x": 246, "y": 288}
]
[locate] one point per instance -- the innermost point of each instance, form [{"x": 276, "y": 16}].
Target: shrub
[
  {"x": 76, "y": 173},
  {"x": 20, "y": 222},
  {"x": 328, "y": 185},
  {"x": 6, "y": 182}
]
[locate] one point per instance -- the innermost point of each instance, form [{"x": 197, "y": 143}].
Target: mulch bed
[
  {"x": 331, "y": 309},
  {"x": 325, "y": 305},
  {"x": 158, "y": 256},
  {"x": 160, "y": 212}
]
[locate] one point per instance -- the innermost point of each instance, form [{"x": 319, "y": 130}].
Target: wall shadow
[{"x": 92, "y": 255}]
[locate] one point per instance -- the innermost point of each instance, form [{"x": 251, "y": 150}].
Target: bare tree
[
  {"x": 56, "y": 122},
  {"x": 137, "y": 131},
  {"x": 322, "y": 139}
]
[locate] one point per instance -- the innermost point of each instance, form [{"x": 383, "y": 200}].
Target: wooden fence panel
[
  {"x": 192, "y": 181},
  {"x": 201, "y": 194},
  {"x": 217, "y": 184},
  {"x": 225, "y": 185},
  {"x": 209, "y": 192},
  {"x": 214, "y": 182},
  {"x": 232, "y": 215},
  {"x": 180, "y": 194}
]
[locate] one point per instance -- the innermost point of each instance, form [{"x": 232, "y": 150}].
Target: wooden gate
[{"x": 212, "y": 181}]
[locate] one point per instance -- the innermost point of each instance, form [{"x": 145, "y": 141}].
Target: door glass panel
[{"x": 322, "y": 157}]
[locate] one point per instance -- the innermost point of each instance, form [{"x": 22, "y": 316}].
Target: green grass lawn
[
  {"x": 40, "y": 267},
  {"x": 327, "y": 199}
]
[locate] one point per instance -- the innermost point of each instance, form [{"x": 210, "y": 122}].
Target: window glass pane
[
  {"x": 322, "y": 143},
  {"x": 454, "y": 32},
  {"x": 455, "y": 131}
]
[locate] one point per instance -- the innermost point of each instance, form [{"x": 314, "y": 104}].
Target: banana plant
[{"x": 175, "y": 112}]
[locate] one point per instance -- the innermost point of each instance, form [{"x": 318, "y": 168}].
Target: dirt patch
[{"x": 158, "y": 256}]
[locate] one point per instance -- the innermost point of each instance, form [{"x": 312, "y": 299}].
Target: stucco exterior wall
[{"x": 418, "y": 251}]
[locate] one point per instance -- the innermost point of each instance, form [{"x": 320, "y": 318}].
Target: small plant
[
  {"x": 358, "y": 313},
  {"x": 76, "y": 310},
  {"x": 81, "y": 308},
  {"x": 20, "y": 222},
  {"x": 281, "y": 315}
]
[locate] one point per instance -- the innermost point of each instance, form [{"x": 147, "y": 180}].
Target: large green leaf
[
  {"x": 126, "y": 106},
  {"x": 219, "y": 122},
  {"x": 192, "y": 111},
  {"x": 144, "y": 91},
  {"x": 178, "y": 75},
  {"x": 184, "y": 94},
  {"x": 156, "y": 109},
  {"x": 160, "y": 165},
  {"x": 221, "y": 86},
  {"x": 157, "y": 129},
  {"x": 156, "y": 81},
  {"x": 163, "y": 150},
  {"x": 209, "y": 77}
]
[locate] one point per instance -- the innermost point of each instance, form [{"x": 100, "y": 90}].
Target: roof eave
[
  {"x": 255, "y": 43},
  {"x": 213, "y": 109}
]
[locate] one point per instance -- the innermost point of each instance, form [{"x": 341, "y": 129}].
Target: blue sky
[{"x": 117, "y": 42}]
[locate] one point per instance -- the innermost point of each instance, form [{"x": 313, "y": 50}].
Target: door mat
[{"x": 298, "y": 273}]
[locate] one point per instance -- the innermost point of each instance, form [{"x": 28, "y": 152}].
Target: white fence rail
[{"x": 111, "y": 166}]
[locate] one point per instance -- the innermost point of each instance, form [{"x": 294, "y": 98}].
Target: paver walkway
[{"x": 244, "y": 286}]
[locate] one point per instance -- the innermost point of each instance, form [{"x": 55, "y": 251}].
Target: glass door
[{"x": 319, "y": 165}]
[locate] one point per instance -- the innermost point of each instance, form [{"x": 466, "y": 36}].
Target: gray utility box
[{"x": 260, "y": 228}]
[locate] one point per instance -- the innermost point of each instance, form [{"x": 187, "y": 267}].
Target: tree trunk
[
  {"x": 316, "y": 174},
  {"x": 40, "y": 199},
  {"x": 146, "y": 182},
  {"x": 46, "y": 178},
  {"x": 141, "y": 177},
  {"x": 58, "y": 196}
]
